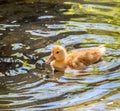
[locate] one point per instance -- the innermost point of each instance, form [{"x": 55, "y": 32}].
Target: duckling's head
[{"x": 58, "y": 53}]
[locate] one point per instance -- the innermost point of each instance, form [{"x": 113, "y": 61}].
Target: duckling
[{"x": 60, "y": 60}]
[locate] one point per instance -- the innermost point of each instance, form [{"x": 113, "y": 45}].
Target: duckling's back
[{"x": 83, "y": 58}]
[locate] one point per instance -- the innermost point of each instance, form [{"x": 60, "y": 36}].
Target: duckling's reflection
[{"x": 56, "y": 75}]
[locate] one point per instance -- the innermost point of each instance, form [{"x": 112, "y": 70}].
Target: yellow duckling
[{"x": 59, "y": 59}]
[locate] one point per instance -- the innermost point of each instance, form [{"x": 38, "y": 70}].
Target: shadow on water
[{"x": 28, "y": 31}]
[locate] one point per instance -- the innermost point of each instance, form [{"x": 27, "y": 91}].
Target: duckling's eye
[{"x": 57, "y": 52}]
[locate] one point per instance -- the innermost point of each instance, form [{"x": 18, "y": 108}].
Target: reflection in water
[{"x": 31, "y": 30}]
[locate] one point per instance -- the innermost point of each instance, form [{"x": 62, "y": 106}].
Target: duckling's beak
[{"x": 50, "y": 59}]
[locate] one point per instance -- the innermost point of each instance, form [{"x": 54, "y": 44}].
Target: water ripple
[{"x": 27, "y": 37}]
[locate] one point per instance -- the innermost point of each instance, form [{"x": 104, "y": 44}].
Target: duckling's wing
[{"x": 81, "y": 59}]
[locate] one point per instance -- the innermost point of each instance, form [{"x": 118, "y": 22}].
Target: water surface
[{"x": 29, "y": 30}]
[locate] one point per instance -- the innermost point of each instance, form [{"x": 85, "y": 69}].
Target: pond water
[{"x": 29, "y": 30}]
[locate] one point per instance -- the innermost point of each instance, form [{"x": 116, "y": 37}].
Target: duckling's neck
[{"x": 60, "y": 61}]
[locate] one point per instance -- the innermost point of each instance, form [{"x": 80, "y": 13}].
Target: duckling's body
[
  {"x": 76, "y": 60},
  {"x": 83, "y": 58}
]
